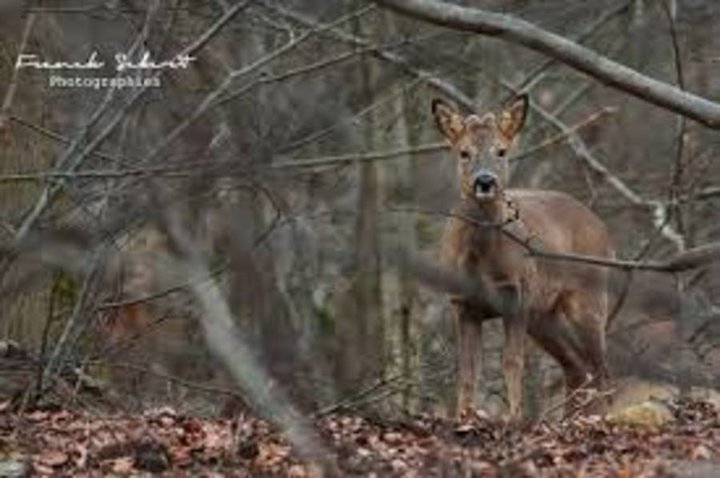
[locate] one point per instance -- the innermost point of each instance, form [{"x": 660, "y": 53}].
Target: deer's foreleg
[
  {"x": 469, "y": 342},
  {"x": 513, "y": 361}
]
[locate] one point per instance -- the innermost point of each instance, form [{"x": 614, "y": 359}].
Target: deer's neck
[
  {"x": 480, "y": 237},
  {"x": 484, "y": 213}
]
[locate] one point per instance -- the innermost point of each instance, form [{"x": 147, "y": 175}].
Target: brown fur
[{"x": 563, "y": 306}]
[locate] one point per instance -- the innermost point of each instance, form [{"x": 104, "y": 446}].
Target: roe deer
[{"x": 563, "y": 307}]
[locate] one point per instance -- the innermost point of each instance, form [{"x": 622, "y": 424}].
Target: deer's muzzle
[{"x": 485, "y": 184}]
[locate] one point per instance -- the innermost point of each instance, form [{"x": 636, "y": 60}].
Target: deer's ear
[
  {"x": 447, "y": 119},
  {"x": 513, "y": 117}
]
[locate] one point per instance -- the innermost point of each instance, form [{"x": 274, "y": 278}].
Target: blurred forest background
[{"x": 268, "y": 188}]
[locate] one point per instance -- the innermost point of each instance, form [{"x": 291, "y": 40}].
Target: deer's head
[{"x": 481, "y": 145}]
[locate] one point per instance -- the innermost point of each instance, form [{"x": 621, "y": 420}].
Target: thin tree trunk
[{"x": 361, "y": 330}]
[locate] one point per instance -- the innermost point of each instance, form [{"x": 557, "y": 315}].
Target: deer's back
[{"x": 561, "y": 222}]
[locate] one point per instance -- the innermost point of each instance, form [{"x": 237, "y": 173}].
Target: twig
[
  {"x": 214, "y": 97},
  {"x": 689, "y": 259},
  {"x": 49, "y": 319},
  {"x": 48, "y": 194},
  {"x": 592, "y": 396},
  {"x": 59, "y": 351},
  {"x": 358, "y": 157},
  {"x": 357, "y": 398},
  {"x": 406, "y": 65},
  {"x": 311, "y": 68},
  {"x": 12, "y": 87},
  {"x": 568, "y": 398},
  {"x": 536, "y": 75},
  {"x": 57, "y": 137},
  {"x": 677, "y": 173},
  {"x": 163, "y": 293},
  {"x": 208, "y": 35},
  {"x": 172, "y": 378},
  {"x": 433, "y": 147},
  {"x": 353, "y": 119},
  {"x": 564, "y": 135},
  {"x": 181, "y": 171},
  {"x": 96, "y": 9},
  {"x": 684, "y": 261}
]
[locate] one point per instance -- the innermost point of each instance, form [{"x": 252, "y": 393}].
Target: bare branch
[
  {"x": 208, "y": 34},
  {"x": 565, "y": 135},
  {"x": 535, "y": 76},
  {"x": 55, "y": 136},
  {"x": 588, "y": 61},
  {"x": 657, "y": 209},
  {"x": 430, "y": 79},
  {"x": 677, "y": 176},
  {"x": 12, "y": 87},
  {"x": 213, "y": 98},
  {"x": 682, "y": 262},
  {"x": 225, "y": 342}
]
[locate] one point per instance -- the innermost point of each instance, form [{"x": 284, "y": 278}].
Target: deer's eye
[
  {"x": 464, "y": 155},
  {"x": 501, "y": 152}
]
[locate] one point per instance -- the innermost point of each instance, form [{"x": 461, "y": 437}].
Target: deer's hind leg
[
  {"x": 587, "y": 316},
  {"x": 574, "y": 334},
  {"x": 552, "y": 334}
]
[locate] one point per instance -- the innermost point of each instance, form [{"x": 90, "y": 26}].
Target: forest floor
[{"x": 64, "y": 443}]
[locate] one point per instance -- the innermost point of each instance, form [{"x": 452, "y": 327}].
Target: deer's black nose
[{"x": 484, "y": 181}]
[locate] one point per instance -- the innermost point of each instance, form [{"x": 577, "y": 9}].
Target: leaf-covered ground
[{"x": 64, "y": 443}]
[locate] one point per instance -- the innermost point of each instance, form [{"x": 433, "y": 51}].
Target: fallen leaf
[
  {"x": 123, "y": 465},
  {"x": 37, "y": 416},
  {"x": 53, "y": 458}
]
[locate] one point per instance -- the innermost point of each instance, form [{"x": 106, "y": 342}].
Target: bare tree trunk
[
  {"x": 258, "y": 283},
  {"x": 401, "y": 188},
  {"x": 361, "y": 329}
]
